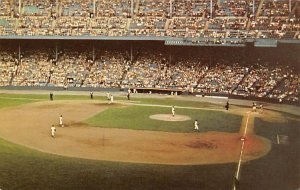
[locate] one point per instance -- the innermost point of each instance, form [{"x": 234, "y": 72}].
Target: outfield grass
[
  {"x": 137, "y": 117},
  {"x": 9, "y": 103},
  {"x": 159, "y": 101}
]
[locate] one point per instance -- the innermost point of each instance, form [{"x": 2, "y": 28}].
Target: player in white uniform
[
  {"x": 196, "y": 125},
  {"x": 61, "y": 121},
  {"x": 53, "y": 130},
  {"x": 254, "y": 107},
  {"x": 173, "y": 111},
  {"x": 111, "y": 99}
]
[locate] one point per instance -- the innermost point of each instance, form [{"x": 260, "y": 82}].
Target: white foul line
[{"x": 242, "y": 149}]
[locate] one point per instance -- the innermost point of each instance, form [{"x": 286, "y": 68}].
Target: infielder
[
  {"x": 173, "y": 111},
  {"x": 53, "y": 130},
  {"x": 254, "y": 107},
  {"x": 111, "y": 99},
  {"x": 51, "y": 96},
  {"x": 196, "y": 125},
  {"x": 227, "y": 105},
  {"x": 61, "y": 121}
]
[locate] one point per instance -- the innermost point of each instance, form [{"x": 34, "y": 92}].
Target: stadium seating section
[{"x": 190, "y": 18}]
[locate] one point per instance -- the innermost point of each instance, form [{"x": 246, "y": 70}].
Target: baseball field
[{"x": 138, "y": 144}]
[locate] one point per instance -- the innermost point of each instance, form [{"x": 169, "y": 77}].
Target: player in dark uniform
[
  {"x": 51, "y": 96},
  {"x": 92, "y": 95},
  {"x": 227, "y": 105},
  {"x": 128, "y": 96}
]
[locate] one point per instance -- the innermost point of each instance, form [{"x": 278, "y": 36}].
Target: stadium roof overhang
[{"x": 170, "y": 41}]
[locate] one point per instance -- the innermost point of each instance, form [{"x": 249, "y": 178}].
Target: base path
[{"x": 29, "y": 125}]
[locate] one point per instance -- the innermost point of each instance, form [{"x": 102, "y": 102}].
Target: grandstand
[
  {"x": 247, "y": 19},
  {"x": 115, "y": 70},
  {"x": 38, "y": 54},
  {"x": 227, "y": 71}
]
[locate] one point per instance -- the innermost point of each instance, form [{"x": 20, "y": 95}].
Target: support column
[
  {"x": 253, "y": 7},
  {"x": 211, "y": 8},
  {"x": 56, "y": 53},
  {"x": 171, "y": 8},
  {"x": 19, "y": 55},
  {"x": 94, "y": 57},
  {"x": 131, "y": 9},
  {"x": 94, "y": 10},
  {"x": 131, "y": 57},
  {"x": 20, "y": 7}
]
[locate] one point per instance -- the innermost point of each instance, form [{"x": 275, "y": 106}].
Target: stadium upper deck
[{"x": 234, "y": 19}]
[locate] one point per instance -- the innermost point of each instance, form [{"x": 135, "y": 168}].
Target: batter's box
[{"x": 282, "y": 139}]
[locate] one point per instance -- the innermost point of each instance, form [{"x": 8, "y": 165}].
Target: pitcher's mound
[{"x": 169, "y": 117}]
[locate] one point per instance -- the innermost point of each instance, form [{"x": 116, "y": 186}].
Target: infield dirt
[{"x": 29, "y": 125}]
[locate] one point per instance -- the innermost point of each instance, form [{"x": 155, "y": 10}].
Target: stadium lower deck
[{"x": 268, "y": 73}]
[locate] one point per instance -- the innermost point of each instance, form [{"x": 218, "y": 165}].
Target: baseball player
[
  {"x": 111, "y": 99},
  {"x": 227, "y": 105},
  {"x": 196, "y": 125},
  {"x": 61, "y": 121},
  {"x": 254, "y": 107},
  {"x": 128, "y": 96},
  {"x": 51, "y": 96},
  {"x": 92, "y": 95},
  {"x": 53, "y": 130},
  {"x": 173, "y": 111}
]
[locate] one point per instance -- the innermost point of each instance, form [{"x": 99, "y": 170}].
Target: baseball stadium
[{"x": 150, "y": 95}]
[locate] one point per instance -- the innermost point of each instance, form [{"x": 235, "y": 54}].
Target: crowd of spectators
[
  {"x": 116, "y": 69},
  {"x": 193, "y": 18}
]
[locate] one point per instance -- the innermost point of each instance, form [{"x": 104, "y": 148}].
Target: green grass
[
  {"x": 159, "y": 101},
  {"x": 10, "y": 102},
  {"x": 22, "y": 168},
  {"x": 137, "y": 117}
]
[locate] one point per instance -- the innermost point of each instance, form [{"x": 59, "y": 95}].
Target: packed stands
[
  {"x": 154, "y": 68},
  {"x": 163, "y": 18}
]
